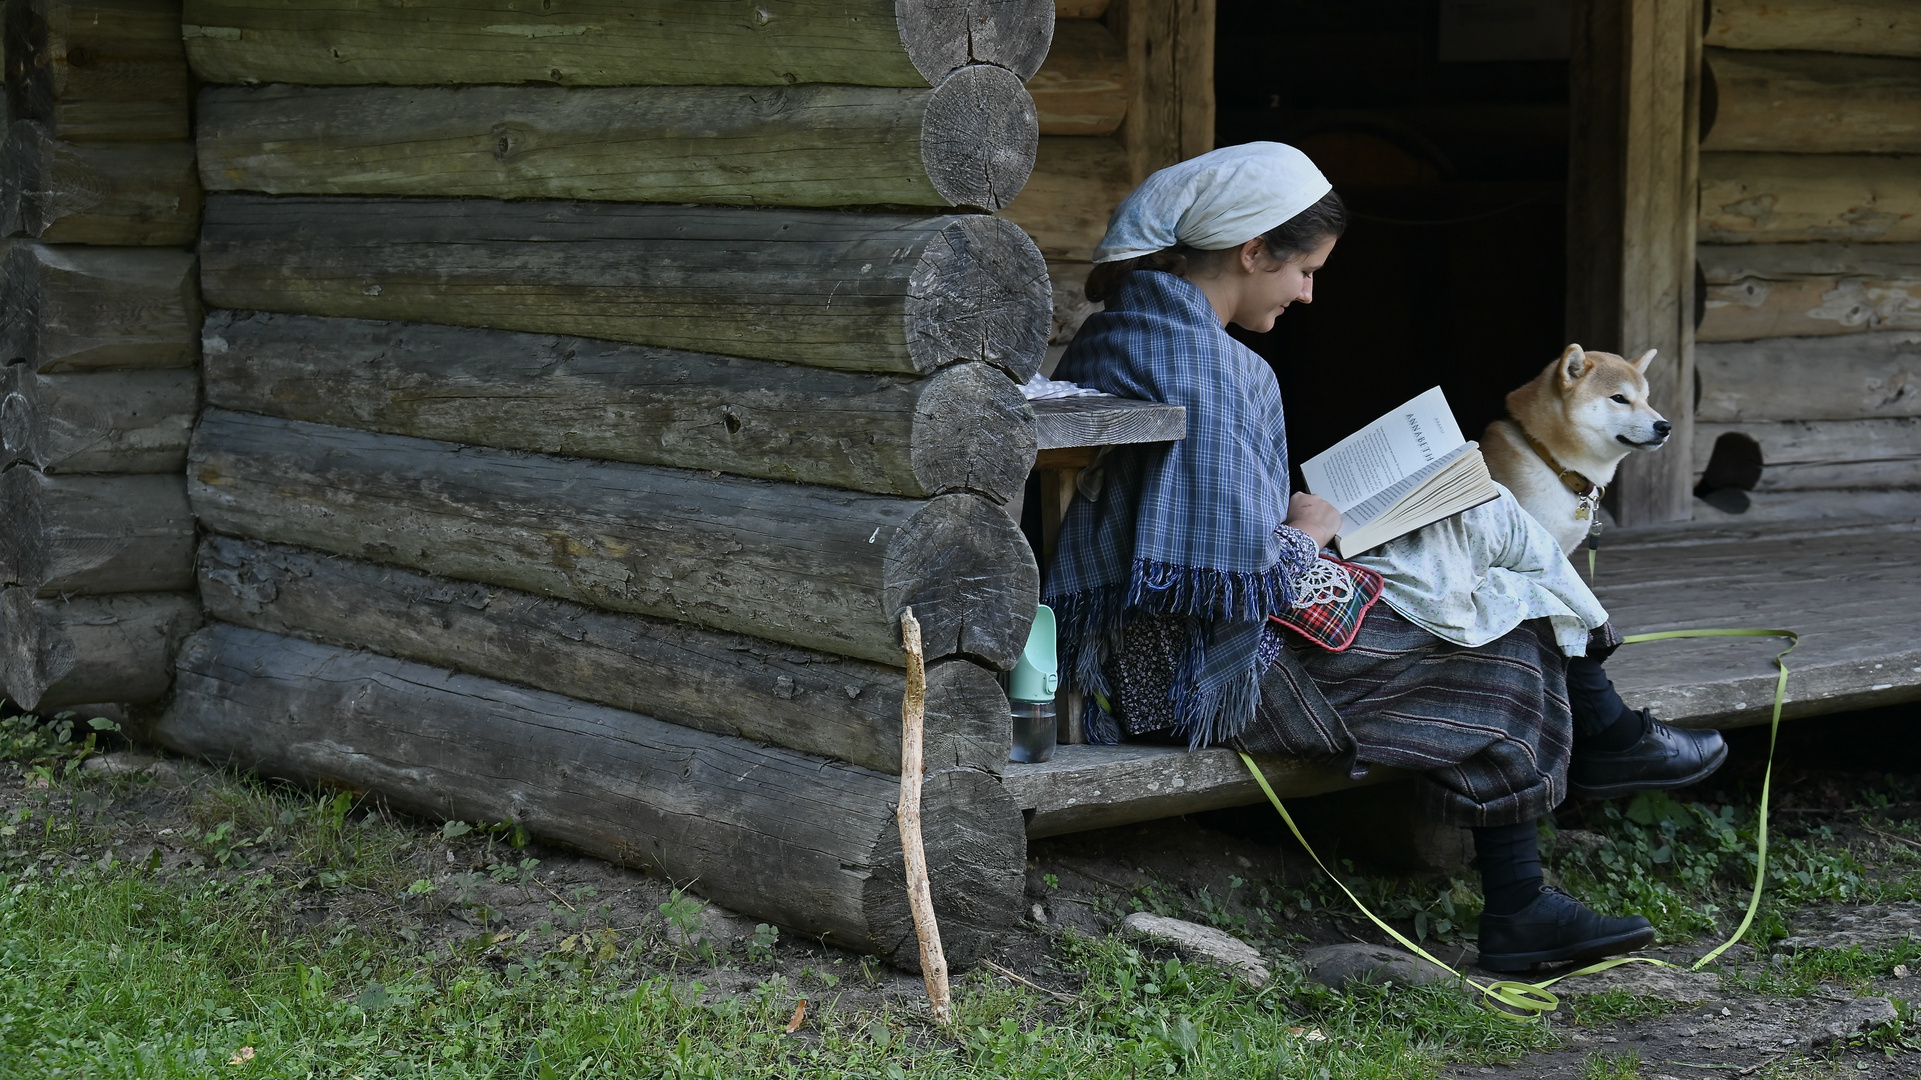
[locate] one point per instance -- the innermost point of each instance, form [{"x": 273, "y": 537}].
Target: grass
[
  {"x": 1625, "y": 1065},
  {"x": 117, "y": 963}
]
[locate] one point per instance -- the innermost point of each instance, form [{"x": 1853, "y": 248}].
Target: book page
[{"x": 1385, "y": 452}]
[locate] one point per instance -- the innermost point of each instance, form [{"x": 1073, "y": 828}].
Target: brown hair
[{"x": 1305, "y": 231}]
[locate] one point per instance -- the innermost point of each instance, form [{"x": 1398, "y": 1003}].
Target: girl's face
[{"x": 1265, "y": 289}]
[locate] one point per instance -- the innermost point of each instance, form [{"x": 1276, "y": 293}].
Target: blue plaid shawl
[{"x": 1183, "y": 529}]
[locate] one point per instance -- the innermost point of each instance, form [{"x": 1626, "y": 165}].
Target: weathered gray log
[
  {"x": 96, "y": 193},
  {"x": 97, "y": 422},
  {"x": 1107, "y": 421},
  {"x": 967, "y": 142},
  {"x": 1792, "y": 198},
  {"x": 97, "y": 70},
  {"x": 834, "y": 706},
  {"x": 1755, "y": 308},
  {"x": 613, "y": 42},
  {"x": 1819, "y": 378},
  {"x": 92, "y": 534},
  {"x": 1871, "y": 27},
  {"x": 808, "y": 566},
  {"x": 1725, "y": 264},
  {"x": 796, "y": 840},
  {"x": 1076, "y": 184},
  {"x": 1815, "y": 103},
  {"x": 62, "y": 651},
  {"x": 965, "y": 428},
  {"x": 83, "y": 308},
  {"x": 1082, "y": 89},
  {"x": 1802, "y": 455},
  {"x": 861, "y": 292}
]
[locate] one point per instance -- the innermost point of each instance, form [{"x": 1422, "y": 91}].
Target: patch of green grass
[
  {"x": 1625, "y": 1065},
  {"x": 1796, "y": 974},
  {"x": 1618, "y": 1006},
  {"x": 113, "y": 965}
]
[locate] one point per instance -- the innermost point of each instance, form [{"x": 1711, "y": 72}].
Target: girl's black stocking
[
  {"x": 1509, "y": 858},
  {"x": 1602, "y": 721}
]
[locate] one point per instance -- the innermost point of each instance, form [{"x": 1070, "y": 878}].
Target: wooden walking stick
[{"x": 920, "y": 899}]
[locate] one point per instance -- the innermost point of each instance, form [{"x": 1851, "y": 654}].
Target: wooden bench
[{"x": 1849, "y": 590}]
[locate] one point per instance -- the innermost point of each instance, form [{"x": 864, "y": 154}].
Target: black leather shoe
[
  {"x": 1556, "y": 928},
  {"x": 1665, "y": 758}
]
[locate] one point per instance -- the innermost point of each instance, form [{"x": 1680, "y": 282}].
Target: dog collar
[{"x": 1576, "y": 482}]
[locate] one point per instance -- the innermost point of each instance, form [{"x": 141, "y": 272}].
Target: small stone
[
  {"x": 1197, "y": 942},
  {"x": 1900, "y": 971},
  {"x": 1645, "y": 980},
  {"x": 1038, "y": 914},
  {"x": 1339, "y": 966},
  {"x": 1578, "y": 842},
  {"x": 1852, "y": 1018},
  {"x": 1870, "y": 927}
]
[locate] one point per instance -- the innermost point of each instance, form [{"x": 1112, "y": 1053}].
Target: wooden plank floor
[{"x": 1853, "y": 592}]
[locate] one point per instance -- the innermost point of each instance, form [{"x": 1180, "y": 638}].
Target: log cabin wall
[
  {"x": 99, "y": 340},
  {"x": 1127, "y": 88},
  {"x": 1810, "y": 230},
  {"x": 589, "y": 390}
]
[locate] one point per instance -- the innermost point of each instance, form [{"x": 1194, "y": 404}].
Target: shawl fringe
[{"x": 1092, "y": 621}]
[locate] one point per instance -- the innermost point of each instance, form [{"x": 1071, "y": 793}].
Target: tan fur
[{"x": 1569, "y": 409}]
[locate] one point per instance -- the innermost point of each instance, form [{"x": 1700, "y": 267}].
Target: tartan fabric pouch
[{"x": 1334, "y": 598}]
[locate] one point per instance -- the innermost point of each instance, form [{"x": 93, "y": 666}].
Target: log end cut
[
  {"x": 962, "y": 564},
  {"x": 973, "y": 432},
  {"x": 979, "y": 137},
  {"x": 941, "y": 35},
  {"x": 980, "y": 292}
]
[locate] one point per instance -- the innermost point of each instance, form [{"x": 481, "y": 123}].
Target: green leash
[{"x": 1516, "y": 1000}]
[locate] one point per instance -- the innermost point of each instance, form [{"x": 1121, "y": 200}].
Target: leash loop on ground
[{"x": 1512, "y": 999}]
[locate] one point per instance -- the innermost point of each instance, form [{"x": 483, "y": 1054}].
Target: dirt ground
[{"x": 1207, "y": 864}]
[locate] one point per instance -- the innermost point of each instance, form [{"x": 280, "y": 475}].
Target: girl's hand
[{"x": 1314, "y": 516}]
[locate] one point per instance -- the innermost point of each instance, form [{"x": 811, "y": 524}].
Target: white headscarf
[{"x": 1221, "y": 199}]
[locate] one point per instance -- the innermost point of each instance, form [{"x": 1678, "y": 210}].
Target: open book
[{"x": 1405, "y": 470}]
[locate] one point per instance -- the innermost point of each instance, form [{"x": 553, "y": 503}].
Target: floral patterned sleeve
[{"x": 1299, "y": 552}]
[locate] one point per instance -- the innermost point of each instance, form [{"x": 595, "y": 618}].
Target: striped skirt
[{"x": 1487, "y": 729}]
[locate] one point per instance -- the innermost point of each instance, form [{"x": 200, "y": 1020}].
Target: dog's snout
[{"x": 1662, "y": 427}]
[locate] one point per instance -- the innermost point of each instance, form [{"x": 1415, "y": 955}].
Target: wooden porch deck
[{"x": 1852, "y": 591}]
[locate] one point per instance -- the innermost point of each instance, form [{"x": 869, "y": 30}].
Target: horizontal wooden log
[
  {"x": 1801, "y": 455},
  {"x": 94, "y": 534},
  {"x": 815, "y": 702},
  {"x": 56, "y": 652},
  {"x": 1107, "y": 421},
  {"x": 1725, "y": 264},
  {"x": 1848, "y": 688},
  {"x": 87, "y": 309},
  {"x": 1755, "y": 308},
  {"x": 1082, "y": 89},
  {"x": 798, "y": 841},
  {"x": 1776, "y": 198},
  {"x": 967, "y": 142},
  {"x": 97, "y": 422},
  {"x": 860, "y": 292},
  {"x": 1815, "y": 103},
  {"x": 1872, "y": 27},
  {"x": 97, "y": 70},
  {"x": 965, "y": 428},
  {"x": 612, "y": 42},
  {"x": 96, "y": 193},
  {"x": 809, "y": 566},
  {"x": 1823, "y": 378},
  {"x": 1077, "y": 182}
]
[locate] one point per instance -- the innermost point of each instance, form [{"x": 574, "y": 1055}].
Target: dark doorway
[{"x": 1454, "y": 168}]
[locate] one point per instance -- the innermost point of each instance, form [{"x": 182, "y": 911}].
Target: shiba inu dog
[{"x": 1567, "y": 432}]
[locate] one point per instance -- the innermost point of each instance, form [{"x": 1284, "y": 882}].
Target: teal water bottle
[{"x": 1030, "y": 691}]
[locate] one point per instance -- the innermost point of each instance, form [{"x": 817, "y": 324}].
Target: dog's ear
[
  {"x": 1572, "y": 365},
  {"x": 1641, "y": 365}
]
